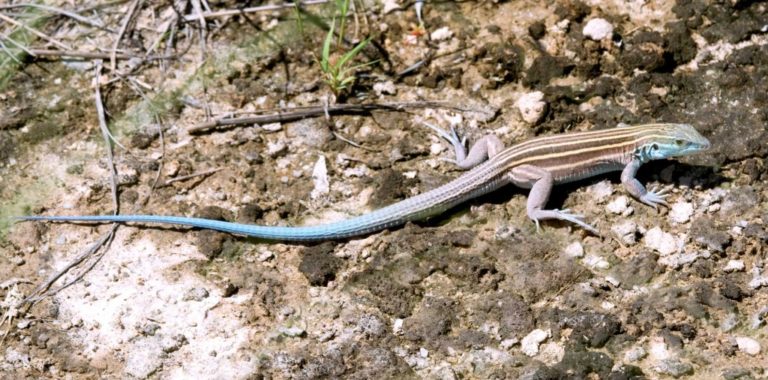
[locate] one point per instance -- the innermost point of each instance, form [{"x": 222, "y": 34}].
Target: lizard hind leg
[
  {"x": 541, "y": 182},
  {"x": 483, "y": 149}
]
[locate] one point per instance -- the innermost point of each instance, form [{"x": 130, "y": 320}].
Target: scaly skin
[{"x": 538, "y": 164}]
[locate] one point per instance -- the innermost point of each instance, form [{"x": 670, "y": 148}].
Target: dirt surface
[{"x": 474, "y": 293}]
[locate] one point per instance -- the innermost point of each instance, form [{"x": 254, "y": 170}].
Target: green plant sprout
[{"x": 338, "y": 71}]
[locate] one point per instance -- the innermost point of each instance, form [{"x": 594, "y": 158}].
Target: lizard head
[{"x": 673, "y": 140}]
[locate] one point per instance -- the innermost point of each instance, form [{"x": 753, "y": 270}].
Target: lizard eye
[
  {"x": 679, "y": 142},
  {"x": 654, "y": 146}
]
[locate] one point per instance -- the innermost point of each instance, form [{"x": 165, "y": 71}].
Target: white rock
[
  {"x": 601, "y": 191},
  {"x": 626, "y": 231},
  {"x": 441, "y": 34},
  {"x": 729, "y": 322},
  {"x": 664, "y": 243},
  {"x": 681, "y": 212},
  {"x": 618, "y": 206},
  {"x": 551, "y": 353},
  {"x": 596, "y": 262},
  {"x": 597, "y": 29},
  {"x": 508, "y": 343},
  {"x": 386, "y": 88},
  {"x": 613, "y": 281},
  {"x": 748, "y": 345},
  {"x": 635, "y": 354},
  {"x": 293, "y": 331},
  {"x": 734, "y": 266},
  {"x": 574, "y": 249},
  {"x": 757, "y": 280},
  {"x": 530, "y": 344},
  {"x": 276, "y": 148},
  {"x": 320, "y": 179},
  {"x": 272, "y": 127},
  {"x": 532, "y": 106},
  {"x": 390, "y": 5},
  {"x": 397, "y": 326},
  {"x": 677, "y": 260},
  {"x": 658, "y": 349}
]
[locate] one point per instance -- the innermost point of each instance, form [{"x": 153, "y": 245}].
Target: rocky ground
[{"x": 475, "y": 293}]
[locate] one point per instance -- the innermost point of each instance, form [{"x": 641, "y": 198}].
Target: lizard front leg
[
  {"x": 483, "y": 149},
  {"x": 652, "y": 197},
  {"x": 541, "y": 181}
]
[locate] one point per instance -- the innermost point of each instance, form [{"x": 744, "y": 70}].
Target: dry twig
[
  {"x": 73, "y": 15},
  {"x": 35, "y": 32},
  {"x": 93, "y": 55},
  {"x": 315, "y": 111},
  {"x": 263, "y": 8},
  {"x": 123, "y": 27},
  {"x": 105, "y": 240}
]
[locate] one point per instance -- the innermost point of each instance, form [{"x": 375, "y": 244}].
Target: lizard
[{"x": 536, "y": 164}]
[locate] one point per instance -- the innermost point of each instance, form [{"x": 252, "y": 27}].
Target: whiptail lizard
[{"x": 537, "y": 164}]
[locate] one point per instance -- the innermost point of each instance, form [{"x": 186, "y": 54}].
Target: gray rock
[{"x": 673, "y": 367}]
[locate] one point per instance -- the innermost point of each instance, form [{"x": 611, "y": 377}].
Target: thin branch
[
  {"x": 305, "y": 112},
  {"x": 73, "y": 15},
  {"x": 35, "y": 32},
  {"x": 199, "y": 17},
  {"x": 186, "y": 177},
  {"x": 105, "y": 240},
  {"x": 93, "y": 55},
  {"x": 123, "y": 27},
  {"x": 108, "y": 138},
  {"x": 264, "y": 8}
]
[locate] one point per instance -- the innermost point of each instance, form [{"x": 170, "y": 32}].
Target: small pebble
[
  {"x": 664, "y": 243},
  {"x": 618, "y": 206},
  {"x": 597, "y": 29},
  {"x": 441, "y": 34},
  {"x": 532, "y": 106},
  {"x": 626, "y": 231},
  {"x": 195, "y": 294},
  {"x": 635, "y": 354},
  {"x": 397, "y": 326},
  {"x": 390, "y": 6},
  {"x": 320, "y": 179},
  {"x": 729, "y": 323},
  {"x": 293, "y": 331},
  {"x": 677, "y": 260},
  {"x": 275, "y": 149},
  {"x": 508, "y": 343},
  {"x": 758, "y": 280},
  {"x": 530, "y": 344},
  {"x": 681, "y": 212},
  {"x": 734, "y": 266},
  {"x": 673, "y": 367},
  {"x": 384, "y": 88},
  {"x": 748, "y": 346},
  {"x": 601, "y": 191},
  {"x": 272, "y": 127},
  {"x": 574, "y": 249},
  {"x": 596, "y": 262}
]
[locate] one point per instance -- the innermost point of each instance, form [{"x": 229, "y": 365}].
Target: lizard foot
[{"x": 655, "y": 197}]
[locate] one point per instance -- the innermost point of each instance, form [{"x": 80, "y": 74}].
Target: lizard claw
[
  {"x": 459, "y": 144},
  {"x": 577, "y": 219},
  {"x": 655, "y": 197}
]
